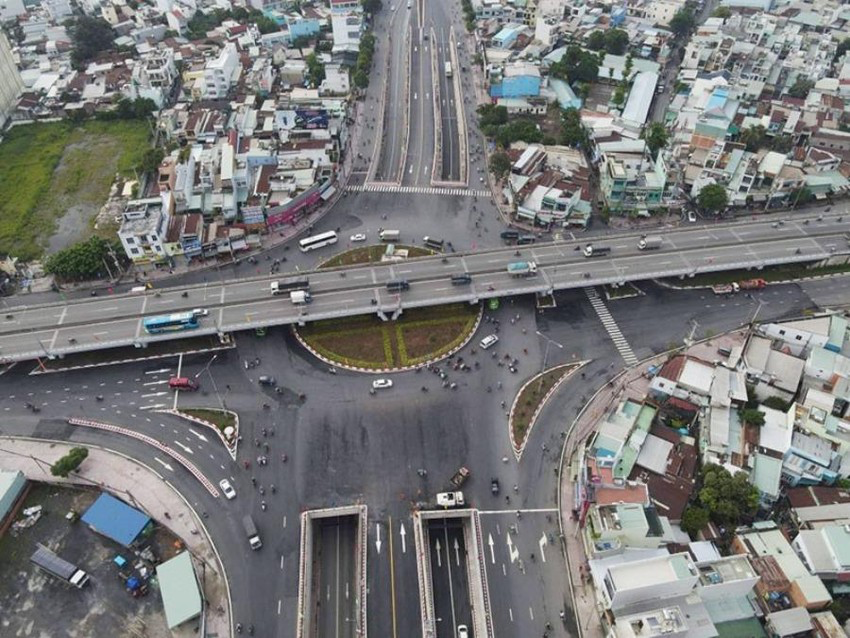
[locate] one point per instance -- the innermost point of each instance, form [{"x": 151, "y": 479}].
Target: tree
[
  {"x": 656, "y": 137},
  {"x": 801, "y": 87},
  {"x": 266, "y": 24},
  {"x": 83, "y": 260},
  {"x": 800, "y": 196},
  {"x": 753, "y": 138},
  {"x": 520, "y": 130},
  {"x": 577, "y": 65},
  {"x": 500, "y": 164},
  {"x": 492, "y": 115},
  {"x": 713, "y": 198},
  {"x": 752, "y": 416},
  {"x": 782, "y": 143},
  {"x": 722, "y": 12},
  {"x": 371, "y": 6},
  {"x": 151, "y": 159},
  {"x": 89, "y": 37},
  {"x": 315, "y": 70},
  {"x": 70, "y": 462},
  {"x": 777, "y": 403},
  {"x": 573, "y": 132},
  {"x": 694, "y": 519},
  {"x": 842, "y": 48},
  {"x": 619, "y": 95},
  {"x": 596, "y": 41},
  {"x": 360, "y": 79},
  {"x": 682, "y": 23},
  {"x": 728, "y": 499},
  {"x": 616, "y": 41}
]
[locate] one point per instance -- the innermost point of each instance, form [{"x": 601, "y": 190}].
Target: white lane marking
[{"x": 163, "y": 464}]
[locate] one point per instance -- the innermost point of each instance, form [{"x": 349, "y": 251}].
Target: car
[
  {"x": 692, "y": 216},
  {"x": 266, "y": 380},
  {"x": 358, "y": 237},
  {"x": 227, "y": 488},
  {"x": 462, "y": 631},
  {"x": 488, "y": 341},
  {"x": 494, "y": 485},
  {"x": 200, "y": 312},
  {"x": 380, "y": 384}
]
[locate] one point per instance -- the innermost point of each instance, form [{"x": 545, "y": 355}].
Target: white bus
[
  {"x": 317, "y": 241},
  {"x": 448, "y": 68}
]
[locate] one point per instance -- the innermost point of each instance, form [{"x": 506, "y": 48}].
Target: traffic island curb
[
  {"x": 518, "y": 449},
  {"x": 230, "y": 446}
]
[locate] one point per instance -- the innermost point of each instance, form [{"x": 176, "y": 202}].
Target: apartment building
[{"x": 10, "y": 81}]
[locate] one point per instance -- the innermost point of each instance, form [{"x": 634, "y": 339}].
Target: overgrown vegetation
[
  {"x": 495, "y": 124},
  {"x": 500, "y": 164},
  {"x": 90, "y": 36},
  {"x": 89, "y": 259},
  {"x": 201, "y": 23},
  {"x": 529, "y": 401},
  {"x": 222, "y": 419},
  {"x": 576, "y": 65},
  {"x": 468, "y": 15},
  {"x": 47, "y": 168},
  {"x": 360, "y": 75}
]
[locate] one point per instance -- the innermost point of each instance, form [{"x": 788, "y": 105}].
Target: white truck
[
  {"x": 650, "y": 242},
  {"x": 251, "y": 530},
  {"x": 389, "y": 235},
  {"x": 450, "y": 499},
  {"x": 282, "y": 287},
  {"x": 522, "y": 269},
  {"x": 300, "y": 297},
  {"x": 59, "y": 567}
]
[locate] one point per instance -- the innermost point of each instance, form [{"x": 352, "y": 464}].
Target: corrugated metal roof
[
  {"x": 115, "y": 519},
  {"x": 179, "y": 588}
]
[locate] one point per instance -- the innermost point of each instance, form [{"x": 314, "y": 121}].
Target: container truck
[
  {"x": 300, "y": 297},
  {"x": 596, "y": 251},
  {"x": 522, "y": 269},
  {"x": 59, "y": 567},
  {"x": 650, "y": 242},
  {"x": 752, "y": 284},
  {"x": 398, "y": 285},
  {"x": 252, "y": 533},
  {"x": 283, "y": 287}
]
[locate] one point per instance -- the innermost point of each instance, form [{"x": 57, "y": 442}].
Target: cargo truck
[
  {"x": 522, "y": 269},
  {"x": 59, "y": 567},
  {"x": 450, "y": 499},
  {"x": 461, "y": 279},
  {"x": 398, "y": 285},
  {"x": 433, "y": 242},
  {"x": 283, "y": 287},
  {"x": 650, "y": 242},
  {"x": 251, "y": 530},
  {"x": 752, "y": 284},
  {"x": 300, "y": 297},
  {"x": 725, "y": 289},
  {"x": 596, "y": 251},
  {"x": 390, "y": 235}
]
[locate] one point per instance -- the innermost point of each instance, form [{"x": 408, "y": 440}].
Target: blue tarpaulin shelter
[{"x": 115, "y": 519}]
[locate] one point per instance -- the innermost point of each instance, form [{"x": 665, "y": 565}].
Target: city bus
[
  {"x": 448, "y": 69},
  {"x": 317, "y": 241},
  {"x": 171, "y": 323}
]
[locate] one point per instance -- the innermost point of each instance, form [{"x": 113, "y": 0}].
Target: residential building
[
  {"x": 143, "y": 229},
  {"x": 629, "y": 180},
  {"x": 11, "y": 84},
  {"x": 643, "y": 581},
  {"x": 826, "y": 552},
  {"x": 220, "y": 73},
  {"x": 515, "y": 80}
]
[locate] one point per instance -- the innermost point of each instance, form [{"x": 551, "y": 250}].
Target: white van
[{"x": 488, "y": 341}]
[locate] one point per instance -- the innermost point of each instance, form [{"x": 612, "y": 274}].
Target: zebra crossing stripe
[{"x": 610, "y": 326}]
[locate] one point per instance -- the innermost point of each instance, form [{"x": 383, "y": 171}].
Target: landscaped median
[
  {"x": 367, "y": 343},
  {"x": 530, "y": 401},
  {"x": 771, "y": 274},
  {"x": 225, "y": 423}
]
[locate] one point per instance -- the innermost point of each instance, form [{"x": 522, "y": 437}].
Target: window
[
  {"x": 782, "y": 333},
  {"x": 799, "y": 337},
  {"x": 131, "y": 240},
  {"x": 134, "y": 251}
]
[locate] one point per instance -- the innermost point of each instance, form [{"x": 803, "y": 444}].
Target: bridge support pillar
[
  {"x": 396, "y": 314},
  {"x": 474, "y": 302},
  {"x": 301, "y": 323},
  {"x": 383, "y": 315}
]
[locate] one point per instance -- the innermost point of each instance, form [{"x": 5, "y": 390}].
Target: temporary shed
[
  {"x": 116, "y": 520},
  {"x": 179, "y": 588}
]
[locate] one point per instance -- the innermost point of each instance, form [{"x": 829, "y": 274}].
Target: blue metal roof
[{"x": 115, "y": 519}]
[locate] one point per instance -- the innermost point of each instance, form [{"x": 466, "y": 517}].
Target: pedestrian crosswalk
[
  {"x": 416, "y": 190},
  {"x": 611, "y": 327}
]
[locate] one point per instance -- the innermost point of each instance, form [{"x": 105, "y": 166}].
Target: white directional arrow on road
[
  {"x": 512, "y": 551},
  {"x": 490, "y": 543},
  {"x": 439, "y": 556},
  {"x": 153, "y": 394},
  {"x": 157, "y": 371},
  {"x": 156, "y": 382},
  {"x": 403, "y": 539},
  {"x": 164, "y": 464},
  {"x": 542, "y": 544},
  {"x": 198, "y": 434},
  {"x": 457, "y": 552},
  {"x": 185, "y": 448},
  {"x": 378, "y": 541}
]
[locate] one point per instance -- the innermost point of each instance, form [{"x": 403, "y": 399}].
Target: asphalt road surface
[
  {"x": 449, "y": 579},
  {"x": 95, "y": 324},
  {"x": 335, "y": 577}
]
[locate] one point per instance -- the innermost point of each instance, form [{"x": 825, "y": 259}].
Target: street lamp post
[
  {"x": 212, "y": 379},
  {"x": 549, "y": 342}
]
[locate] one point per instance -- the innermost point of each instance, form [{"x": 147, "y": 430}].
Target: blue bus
[{"x": 171, "y": 323}]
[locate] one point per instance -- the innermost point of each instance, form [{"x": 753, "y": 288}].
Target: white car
[
  {"x": 692, "y": 216},
  {"x": 358, "y": 237},
  {"x": 227, "y": 488},
  {"x": 488, "y": 341},
  {"x": 380, "y": 384},
  {"x": 462, "y": 631},
  {"x": 200, "y": 312}
]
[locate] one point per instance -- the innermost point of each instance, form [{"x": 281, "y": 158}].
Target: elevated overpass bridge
[{"x": 55, "y": 330}]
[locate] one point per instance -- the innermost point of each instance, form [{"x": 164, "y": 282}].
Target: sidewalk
[
  {"x": 142, "y": 488},
  {"x": 631, "y": 383}
]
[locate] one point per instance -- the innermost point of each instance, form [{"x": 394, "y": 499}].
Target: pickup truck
[
  {"x": 460, "y": 477},
  {"x": 450, "y": 499},
  {"x": 522, "y": 269},
  {"x": 596, "y": 251},
  {"x": 650, "y": 242},
  {"x": 300, "y": 297},
  {"x": 251, "y": 531},
  {"x": 725, "y": 289},
  {"x": 752, "y": 284}
]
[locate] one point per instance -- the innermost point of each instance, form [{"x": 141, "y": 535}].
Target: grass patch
[
  {"x": 530, "y": 399},
  {"x": 222, "y": 419},
  {"x": 770, "y": 273},
  {"x": 371, "y": 254},
  {"x": 368, "y": 342},
  {"x": 47, "y": 169},
  {"x": 621, "y": 292}
]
